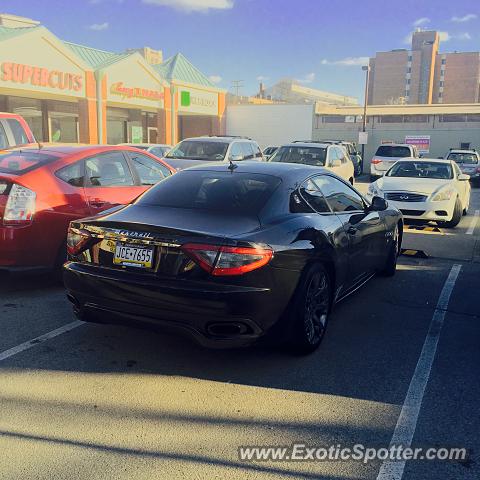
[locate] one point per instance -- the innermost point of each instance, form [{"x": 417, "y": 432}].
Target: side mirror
[
  {"x": 379, "y": 204},
  {"x": 336, "y": 163},
  {"x": 236, "y": 158},
  {"x": 464, "y": 178}
]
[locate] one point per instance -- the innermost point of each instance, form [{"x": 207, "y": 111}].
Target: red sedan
[{"x": 43, "y": 189}]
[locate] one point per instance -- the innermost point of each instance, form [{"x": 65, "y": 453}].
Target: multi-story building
[
  {"x": 291, "y": 91},
  {"x": 422, "y": 75}
]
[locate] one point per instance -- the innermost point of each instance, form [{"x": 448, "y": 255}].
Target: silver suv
[
  {"x": 389, "y": 153},
  {"x": 198, "y": 150},
  {"x": 468, "y": 161}
]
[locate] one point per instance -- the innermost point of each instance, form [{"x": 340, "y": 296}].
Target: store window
[
  {"x": 31, "y": 110},
  {"x": 63, "y": 127}
]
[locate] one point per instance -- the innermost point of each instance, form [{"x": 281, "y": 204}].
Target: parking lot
[{"x": 88, "y": 401}]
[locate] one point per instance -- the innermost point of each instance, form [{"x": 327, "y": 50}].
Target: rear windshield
[
  {"x": 393, "y": 151},
  {"x": 19, "y": 162},
  {"x": 295, "y": 154},
  {"x": 243, "y": 193},
  {"x": 470, "y": 158},
  {"x": 199, "y": 150}
]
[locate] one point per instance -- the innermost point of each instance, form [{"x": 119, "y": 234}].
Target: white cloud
[
  {"x": 444, "y": 36},
  {"x": 463, "y": 36},
  {"x": 465, "y": 18},
  {"x": 407, "y": 40},
  {"x": 261, "y": 78},
  {"x": 193, "y": 5},
  {"x": 421, "y": 21},
  {"x": 215, "y": 78},
  {"x": 308, "y": 78},
  {"x": 347, "y": 62},
  {"x": 98, "y": 27}
]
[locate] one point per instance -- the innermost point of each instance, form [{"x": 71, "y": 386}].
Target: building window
[
  {"x": 473, "y": 117},
  {"x": 390, "y": 119},
  {"x": 442, "y": 83},
  {"x": 408, "y": 81},
  {"x": 410, "y": 58},
  {"x": 452, "y": 118},
  {"x": 464, "y": 145},
  {"x": 440, "y": 94},
  {"x": 415, "y": 118},
  {"x": 409, "y": 70},
  {"x": 444, "y": 61},
  {"x": 334, "y": 119}
]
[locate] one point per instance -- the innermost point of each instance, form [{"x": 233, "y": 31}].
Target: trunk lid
[{"x": 163, "y": 230}]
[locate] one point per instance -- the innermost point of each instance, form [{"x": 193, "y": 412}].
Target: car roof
[
  {"x": 459, "y": 150},
  {"x": 307, "y": 144},
  {"x": 214, "y": 138},
  {"x": 143, "y": 145},
  {"x": 68, "y": 149},
  {"x": 429, "y": 160},
  {"x": 396, "y": 145},
  {"x": 276, "y": 169}
]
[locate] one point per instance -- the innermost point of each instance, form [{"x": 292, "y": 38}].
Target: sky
[{"x": 321, "y": 43}]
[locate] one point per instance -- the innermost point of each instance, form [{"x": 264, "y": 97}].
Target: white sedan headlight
[
  {"x": 374, "y": 190},
  {"x": 443, "y": 195}
]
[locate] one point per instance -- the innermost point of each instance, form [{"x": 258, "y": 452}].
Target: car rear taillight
[
  {"x": 376, "y": 161},
  {"x": 220, "y": 260},
  {"x": 76, "y": 240},
  {"x": 21, "y": 205}
]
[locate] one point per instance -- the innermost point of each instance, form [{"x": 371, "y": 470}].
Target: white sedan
[{"x": 426, "y": 189}]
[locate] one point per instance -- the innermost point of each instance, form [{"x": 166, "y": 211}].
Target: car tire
[
  {"x": 457, "y": 215},
  {"x": 309, "y": 310},
  {"x": 391, "y": 263}
]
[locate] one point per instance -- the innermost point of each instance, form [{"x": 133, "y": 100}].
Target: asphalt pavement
[{"x": 108, "y": 402}]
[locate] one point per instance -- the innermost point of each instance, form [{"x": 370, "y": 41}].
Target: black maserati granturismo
[{"x": 231, "y": 254}]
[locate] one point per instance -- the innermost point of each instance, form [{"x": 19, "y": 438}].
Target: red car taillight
[
  {"x": 21, "y": 205},
  {"x": 376, "y": 161},
  {"x": 76, "y": 240},
  {"x": 219, "y": 261}
]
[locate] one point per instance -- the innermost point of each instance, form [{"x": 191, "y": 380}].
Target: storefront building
[
  {"x": 42, "y": 80},
  {"x": 72, "y": 93}
]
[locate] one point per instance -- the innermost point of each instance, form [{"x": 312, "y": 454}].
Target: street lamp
[{"x": 366, "y": 69}]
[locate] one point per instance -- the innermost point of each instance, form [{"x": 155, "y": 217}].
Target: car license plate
[{"x": 133, "y": 255}]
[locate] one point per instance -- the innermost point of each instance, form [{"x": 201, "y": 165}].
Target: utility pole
[
  {"x": 236, "y": 86},
  {"x": 366, "y": 69}
]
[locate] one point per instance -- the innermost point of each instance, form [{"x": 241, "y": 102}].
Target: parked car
[
  {"x": 353, "y": 153},
  {"x": 233, "y": 254},
  {"x": 426, "y": 189},
  {"x": 268, "y": 152},
  {"x": 43, "y": 189},
  {"x": 14, "y": 130},
  {"x": 157, "y": 149},
  {"x": 387, "y": 154},
  {"x": 468, "y": 161},
  {"x": 195, "y": 151},
  {"x": 319, "y": 154}
]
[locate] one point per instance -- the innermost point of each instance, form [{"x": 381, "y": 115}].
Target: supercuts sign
[{"x": 33, "y": 77}]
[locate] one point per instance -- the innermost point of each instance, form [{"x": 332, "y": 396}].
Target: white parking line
[
  {"x": 407, "y": 420},
  {"x": 473, "y": 224},
  {"x": 42, "y": 338}
]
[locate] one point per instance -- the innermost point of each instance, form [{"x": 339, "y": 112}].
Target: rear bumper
[
  {"x": 215, "y": 315},
  {"x": 25, "y": 248}
]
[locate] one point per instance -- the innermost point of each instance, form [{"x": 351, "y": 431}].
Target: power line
[{"x": 236, "y": 86}]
